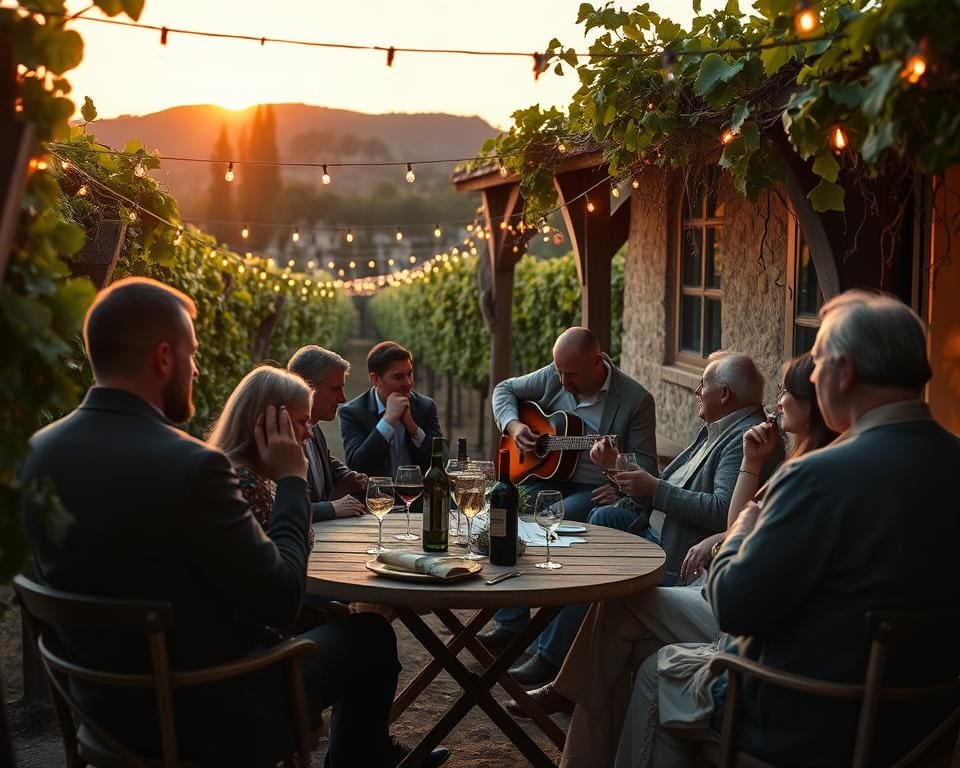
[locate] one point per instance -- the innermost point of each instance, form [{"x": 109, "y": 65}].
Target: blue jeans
[
  {"x": 576, "y": 507},
  {"x": 556, "y": 639}
]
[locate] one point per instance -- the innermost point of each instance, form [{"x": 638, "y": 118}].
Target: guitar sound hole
[{"x": 540, "y": 448}]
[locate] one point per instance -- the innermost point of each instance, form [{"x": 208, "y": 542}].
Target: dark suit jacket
[
  {"x": 158, "y": 514},
  {"x": 869, "y": 522},
  {"x": 366, "y": 450},
  {"x": 327, "y": 478}
]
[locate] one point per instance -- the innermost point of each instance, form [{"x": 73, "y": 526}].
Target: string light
[
  {"x": 65, "y": 165},
  {"x": 805, "y": 18},
  {"x": 291, "y": 262},
  {"x": 399, "y": 235},
  {"x": 391, "y": 262},
  {"x": 470, "y": 227},
  {"x": 371, "y": 264},
  {"x": 544, "y": 227},
  {"x": 326, "y": 176},
  {"x": 614, "y": 189},
  {"x": 132, "y": 215},
  {"x": 245, "y": 232},
  {"x": 82, "y": 192},
  {"x": 330, "y": 264},
  {"x": 341, "y": 272},
  {"x": 727, "y": 136},
  {"x": 669, "y": 60},
  {"x": 410, "y": 175},
  {"x": 352, "y": 265},
  {"x": 915, "y": 68},
  {"x": 413, "y": 259},
  {"x": 296, "y": 235},
  {"x": 503, "y": 170},
  {"x": 179, "y": 236},
  {"x": 635, "y": 183},
  {"x": 436, "y": 231},
  {"x": 229, "y": 175},
  {"x": 561, "y": 147},
  {"x": 590, "y": 206},
  {"x": 838, "y": 139},
  {"x": 139, "y": 170},
  {"x": 311, "y": 264},
  {"x": 349, "y": 236}
]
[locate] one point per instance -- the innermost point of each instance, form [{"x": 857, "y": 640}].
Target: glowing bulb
[
  {"x": 139, "y": 171},
  {"x": 179, "y": 236},
  {"x": 371, "y": 264},
  {"x": 914, "y": 69},
  {"x": 245, "y": 232},
  {"x": 229, "y": 175},
  {"x": 330, "y": 264},
  {"x": 635, "y": 184},
  {"x": 82, "y": 192},
  {"x": 291, "y": 283},
  {"x": 805, "y": 19},
  {"x": 291, "y": 262},
  {"x": 561, "y": 147},
  {"x": 436, "y": 230},
  {"x": 271, "y": 262},
  {"x": 341, "y": 272},
  {"x": 132, "y": 215},
  {"x": 296, "y": 235},
  {"x": 399, "y": 235},
  {"x": 42, "y": 165},
  {"x": 326, "y": 176},
  {"x": 454, "y": 251},
  {"x": 544, "y": 227},
  {"x": 615, "y": 190},
  {"x": 311, "y": 264},
  {"x": 469, "y": 227},
  {"x": 590, "y": 206},
  {"x": 410, "y": 176},
  {"x": 276, "y": 289},
  {"x": 263, "y": 275},
  {"x": 349, "y": 236},
  {"x": 413, "y": 259},
  {"x": 352, "y": 265},
  {"x": 240, "y": 270},
  {"x": 838, "y": 139},
  {"x": 503, "y": 171},
  {"x": 727, "y": 136},
  {"x": 503, "y": 225},
  {"x": 65, "y": 165},
  {"x": 391, "y": 262}
]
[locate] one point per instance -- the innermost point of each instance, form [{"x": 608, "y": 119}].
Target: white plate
[
  {"x": 389, "y": 572},
  {"x": 570, "y": 530}
]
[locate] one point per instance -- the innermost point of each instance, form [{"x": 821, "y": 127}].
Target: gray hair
[
  {"x": 740, "y": 374},
  {"x": 312, "y": 363},
  {"x": 882, "y": 336}
]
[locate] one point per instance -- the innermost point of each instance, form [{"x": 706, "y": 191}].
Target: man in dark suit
[
  {"x": 390, "y": 425},
  {"x": 329, "y": 481},
  {"x": 155, "y": 513}
]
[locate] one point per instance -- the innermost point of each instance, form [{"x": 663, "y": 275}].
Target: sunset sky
[{"x": 127, "y": 71}]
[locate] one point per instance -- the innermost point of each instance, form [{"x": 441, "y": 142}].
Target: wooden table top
[{"x": 610, "y": 563}]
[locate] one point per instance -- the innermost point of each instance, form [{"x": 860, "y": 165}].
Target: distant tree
[
  {"x": 260, "y": 185},
  {"x": 220, "y": 195}
]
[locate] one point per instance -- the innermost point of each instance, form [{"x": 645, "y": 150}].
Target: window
[
  {"x": 700, "y": 263},
  {"x": 803, "y": 296}
]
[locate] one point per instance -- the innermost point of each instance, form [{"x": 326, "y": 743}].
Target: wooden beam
[
  {"x": 489, "y": 176},
  {"x": 797, "y": 180},
  {"x": 592, "y": 240},
  {"x": 620, "y": 225},
  {"x": 16, "y": 145}
]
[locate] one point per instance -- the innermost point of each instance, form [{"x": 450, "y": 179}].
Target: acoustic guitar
[{"x": 557, "y": 450}]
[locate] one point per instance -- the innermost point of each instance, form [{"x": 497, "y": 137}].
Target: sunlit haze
[{"x": 127, "y": 71}]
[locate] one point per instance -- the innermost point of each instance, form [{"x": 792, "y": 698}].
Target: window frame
[
  {"x": 703, "y": 223},
  {"x": 793, "y": 319}
]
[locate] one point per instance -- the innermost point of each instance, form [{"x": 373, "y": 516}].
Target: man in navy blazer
[{"x": 390, "y": 424}]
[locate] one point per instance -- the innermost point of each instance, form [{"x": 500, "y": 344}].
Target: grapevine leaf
[
  {"x": 882, "y": 78},
  {"x": 826, "y": 196},
  {"x": 826, "y": 166},
  {"x": 713, "y": 71}
]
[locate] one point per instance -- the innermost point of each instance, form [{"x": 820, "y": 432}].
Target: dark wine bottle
[
  {"x": 436, "y": 502},
  {"x": 503, "y": 516}
]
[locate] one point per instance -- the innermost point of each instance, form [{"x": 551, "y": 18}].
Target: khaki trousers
[{"x": 615, "y": 638}]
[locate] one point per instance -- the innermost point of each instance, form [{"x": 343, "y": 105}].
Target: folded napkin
[
  {"x": 412, "y": 562},
  {"x": 535, "y": 536}
]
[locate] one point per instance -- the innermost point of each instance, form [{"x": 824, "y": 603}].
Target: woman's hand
[
  {"x": 281, "y": 453},
  {"x": 759, "y": 443}
]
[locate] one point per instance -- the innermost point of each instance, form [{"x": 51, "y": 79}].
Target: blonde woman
[{"x": 233, "y": 433}]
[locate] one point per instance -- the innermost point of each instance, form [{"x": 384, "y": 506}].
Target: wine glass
[
  {"x": 470, "y": 500},
  {"x": 409, "y": 485},
  {"x": 548, "y": 512},
  {"x": 454, "y": 468},
  {"x": 489, "y": 473},
  {"x": 380, "y": 498},
  {"x": 626, "y": 462}
]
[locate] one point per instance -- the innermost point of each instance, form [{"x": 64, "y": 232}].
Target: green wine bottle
[{"x": 436, "y": 502}]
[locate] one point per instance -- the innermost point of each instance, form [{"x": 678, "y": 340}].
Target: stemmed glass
[
  {"x": 489, "y": 473},
  {"x": 409, "y": 487},
  {"x": 470, "y": 499},
  {"x": 454, "y": 468},
  {"x": 626, "y": 462},
  {"x": 380, "y": 498},
  {"x": 548, "y": 512}
]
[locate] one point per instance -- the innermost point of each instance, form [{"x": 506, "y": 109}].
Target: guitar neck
[{"x": 572, "y": 442}]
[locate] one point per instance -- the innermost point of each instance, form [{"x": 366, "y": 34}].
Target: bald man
[{"x": 582, "y": 380}]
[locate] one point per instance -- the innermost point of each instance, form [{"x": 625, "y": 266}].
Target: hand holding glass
[
  {"x": 409, "y": 487},
  {"x": 548, "y": 512},
  {"x": 380, "y": 498},
  {"x": 626, "y": 462}
]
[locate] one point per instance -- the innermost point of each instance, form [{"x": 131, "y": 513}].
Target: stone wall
[{"x": 752, "y": 313}]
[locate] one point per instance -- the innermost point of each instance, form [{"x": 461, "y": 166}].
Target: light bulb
[
  {"x": 615, "y": 190},
  {"x": 805, "y": 19},
  {"x": 503, "y": 224},
  {"x": 349, "y": 236},
  {"x": 82, "y": 192},
  {"x": 590, "y": 206},
  {"x": 330, "y": 264},
  {"x": 65, "y": 165},
  {"x": 838, "y": 139},
  {"x": 132, "y": 215},
  {"x": 561, "y": 147},
  {"x": 311, "y": 264},
  {"x": 413, "y": 259},
  {"x": 635, "y": 184},
  {"x": 391, "y": 262},
  {"x": 139, "y": 171},
  {"x": 352, "y": 265},
  {"x": 371, "y": 263},
  {"x": 469, "y": 227},
  {"x": 326, "y": 176},
  {"x": 914, "y": 69},
  {"x": 503, "y": 171},
  {"x": 179, "y": 236},
  {"x": 245, "y": 232},
  {"x": 544, "y": 227},
  {"x": 229, "y": 175},
  {"x": 291, "y": 262},
  {"x": 727, "y": 136},
  {"x": 411, "y": 176},
  {"x": 341, "y": 272},
  {"x": 276, "y": 288},
  {"x": 436, "y": 230},
  {"x": 399, "y": 235},
  {"x": 296, "y": 235}
]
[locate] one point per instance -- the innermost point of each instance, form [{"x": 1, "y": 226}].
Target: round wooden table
[{"x": 610, "y": 563}]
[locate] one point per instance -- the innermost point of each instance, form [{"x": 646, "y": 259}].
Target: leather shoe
[
  {"x": 534, "y": 671},
  {"x": 496, "y": 639},
  {"x": 397, "y": 751},
  {"x": 550, "y": 700}
]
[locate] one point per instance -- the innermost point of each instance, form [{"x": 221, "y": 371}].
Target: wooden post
[{"x": 592, "y": 240}]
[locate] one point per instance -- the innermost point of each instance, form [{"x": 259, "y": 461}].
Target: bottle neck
[
  {"x": 462, "y": 451},
  {"x": 504, "y": 470},
  {"x": 437, "y": 458}
]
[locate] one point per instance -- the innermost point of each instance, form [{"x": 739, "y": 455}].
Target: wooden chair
[
  {"x": 891, "y": 633},
  {"x": 85, "y": 741}
]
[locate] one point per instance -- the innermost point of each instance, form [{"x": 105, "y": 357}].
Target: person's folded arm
[
  {"x": 703, "y": 510},
  {"x": 263, "y": 576},
  {"x": 758, "y": 579}
]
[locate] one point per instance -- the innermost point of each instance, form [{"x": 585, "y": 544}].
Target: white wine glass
[
  {"x": 470, "y": 487},
  {"x": 548, "y": 512},
  {"x": 409, "y": 487},
  {"x": 626, "y": 462},
  {"x": 380, "y": 498},
  {"x": 454, "y": 468},
  {"x": 489, "y": 473}
]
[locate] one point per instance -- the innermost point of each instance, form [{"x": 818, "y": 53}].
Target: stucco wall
[{"x": 752, "y": 314}]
